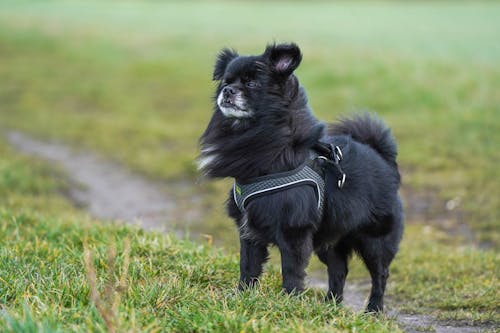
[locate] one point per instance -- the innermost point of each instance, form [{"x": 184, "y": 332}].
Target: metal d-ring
[{"x": 340, "y": 182}]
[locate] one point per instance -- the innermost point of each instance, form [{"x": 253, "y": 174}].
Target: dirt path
[
  {"x": 109, "y": 191},
  {"x": 356, "y": 295}
]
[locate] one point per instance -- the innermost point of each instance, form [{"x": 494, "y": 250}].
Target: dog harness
[{"x": 311, "y": 173}]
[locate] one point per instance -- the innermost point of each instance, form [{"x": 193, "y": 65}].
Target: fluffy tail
[{"x": 370, "y": 130}]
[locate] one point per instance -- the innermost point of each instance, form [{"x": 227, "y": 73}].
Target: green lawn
[{"x": 132, "y": 81}]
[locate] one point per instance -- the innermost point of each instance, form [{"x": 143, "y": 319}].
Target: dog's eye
[{"x": 251, "y": 84}]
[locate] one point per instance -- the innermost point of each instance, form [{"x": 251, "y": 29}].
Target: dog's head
[
  {"x": 260, "y": 111},
  {"x": 249, "y": 84}
]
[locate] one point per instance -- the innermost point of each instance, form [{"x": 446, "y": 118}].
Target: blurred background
[{"x": 130, "y": 82}]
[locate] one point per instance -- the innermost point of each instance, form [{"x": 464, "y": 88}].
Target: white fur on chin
[{"x": 235, "y": 113}]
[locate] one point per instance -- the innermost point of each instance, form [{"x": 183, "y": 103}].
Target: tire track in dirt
[{"x": 111, "y": 192}]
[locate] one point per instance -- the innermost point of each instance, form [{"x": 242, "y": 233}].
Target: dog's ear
[
  {"x": 283, "y": 58},
  {"x": 223, "y": 59}
]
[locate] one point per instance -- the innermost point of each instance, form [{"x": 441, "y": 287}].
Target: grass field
[{"x": 132, "y": 81}]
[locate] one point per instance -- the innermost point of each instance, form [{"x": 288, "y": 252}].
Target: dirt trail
[
  {"x": 109, "y": 191},
  {"x": 356, "y": 296}
]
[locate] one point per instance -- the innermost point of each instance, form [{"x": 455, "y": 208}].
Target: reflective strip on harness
[{"x": 304, "y": 175}]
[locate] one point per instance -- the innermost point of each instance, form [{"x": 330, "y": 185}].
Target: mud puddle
[{"x": 109, "y": 191}]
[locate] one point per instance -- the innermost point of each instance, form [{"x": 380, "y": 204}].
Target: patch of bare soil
[{"x": 427, "y": 207}]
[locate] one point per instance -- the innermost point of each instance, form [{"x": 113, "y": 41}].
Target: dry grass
[{"x": 108, "y": 300}]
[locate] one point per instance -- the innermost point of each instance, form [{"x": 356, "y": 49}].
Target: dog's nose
[{"x": 228, "y": 91}]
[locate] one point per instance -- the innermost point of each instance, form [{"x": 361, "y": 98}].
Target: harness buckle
[{"x": 335, "y": 157}]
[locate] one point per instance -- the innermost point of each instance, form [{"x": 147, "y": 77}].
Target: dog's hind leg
[
  {"x": 252, "y": 257},
  {"x": 379, "y": 273},
  {"x": 335, "y": 258},
  {"x": 296, "y": 248},
  {"x": 377, "y": 254}
]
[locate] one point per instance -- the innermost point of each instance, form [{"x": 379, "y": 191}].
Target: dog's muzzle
[{"x": 232, "y": 103}]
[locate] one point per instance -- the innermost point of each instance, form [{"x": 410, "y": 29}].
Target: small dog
[{"x": 262, "y": 126}]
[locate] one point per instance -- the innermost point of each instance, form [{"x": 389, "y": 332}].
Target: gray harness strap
[{"x": 304, "y": 175}]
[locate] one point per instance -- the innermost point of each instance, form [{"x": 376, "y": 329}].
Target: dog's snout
[{"x": 228, "y": 91}]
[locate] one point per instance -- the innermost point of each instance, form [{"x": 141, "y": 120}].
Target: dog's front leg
[
  {"x": 296, "y": 247},
  {"x": 252, "y": 257}
]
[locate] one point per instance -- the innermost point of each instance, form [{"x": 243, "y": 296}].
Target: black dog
[{"x": 262, "y": 126}]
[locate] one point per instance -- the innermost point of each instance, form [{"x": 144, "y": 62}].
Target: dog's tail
[{"x": 370, "y": 130}]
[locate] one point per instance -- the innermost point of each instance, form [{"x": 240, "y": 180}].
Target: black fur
[{"x": 276, "y": 135}]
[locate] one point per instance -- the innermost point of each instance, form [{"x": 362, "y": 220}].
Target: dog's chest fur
[{"x": 288, "y": 209}]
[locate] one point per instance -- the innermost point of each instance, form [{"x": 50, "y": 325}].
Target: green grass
[
  {"x": 132, "y": 81},
  {"x": 171, "y": 285}
]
